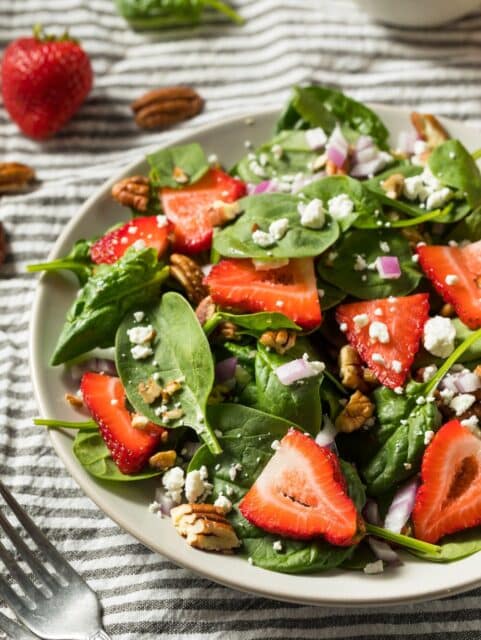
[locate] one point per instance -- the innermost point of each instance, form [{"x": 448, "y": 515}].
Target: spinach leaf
[
  {"x": 188, "y": 157},
  {"x": 181, "y": 352},
  {"x": 331, "y": 295},
  {"x": 237, "y": 421},
  {"x": 287, "y": 154},
  {"x": 323, "y": 107},
  {"x": 254, "y": 324},
  {"x": 298, "y": 402},
  {"x": 367, "y": 284},
  {"x": 93, "y": 454},
  {"x": 355, "y": 488},
  {"x": 164, "y": 14},
  {"x": 366, "y": 204},
  {"x": 77, "y": 261},
  {"x": 467, "y": 229},
  {"x": 454, "y": 547},
  {"x": 131, "y": 282},
  {"x": 454, "y": 167},
  {"x": 235, "y": 240}
]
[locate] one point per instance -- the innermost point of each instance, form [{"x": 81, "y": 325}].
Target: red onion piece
[
  {"x": 388, "y": 267},
  {"x": 225, "y": 369},
  {"x": 406, "y": 140},
  {"x": 164, "y": 501},
  {"x": 315, "y": 138},
  {"x": 371, "y": 512},
  {"x": 296, "y": 370},
  {"x": 384, "y": 552},
  {"x": 467, "y": 382},
  {"x": 364, "y": 142},
  {"x": 337, "y": 148},
  {"x": 401, "y": 506},
  {"x": 266, "y": 186}
]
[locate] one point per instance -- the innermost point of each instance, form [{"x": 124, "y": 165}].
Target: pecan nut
[
  {"x": 163, "y": 460},
  {"x": 393, "y": 185},
  {"x": 280, "y": 340},
  {"x": 14, "y": 176},
  {"x": 162, "y": 108},
  {"x": 353, "y": 374},
  {"x": 205, "y": 527},
  {"x": 205, "y": 309},
  {"x": 133, "y": 192},
  {"x": 188, "y": 274},
  {"x": 429, "y": 129},
  {"x": 355, "y": 414}
]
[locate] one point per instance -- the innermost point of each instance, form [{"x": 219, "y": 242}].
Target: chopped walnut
[
  {"x": 225, "y": 331},
  {"x": 205, "y": 527},
  {"x": 149, "y": 391},
  {"x": 133, "y": 192},
  {"x": 351, "y": 369},
  {"x": 139, "y": 421},
  {"x": 74, "y": 401},
  {"x": 393, "y": 185},
  {"x": 280, "y": 340},
  {"x": 172, "y": 414},
  {"x": 188, "y": 274},
  {"x": 205, "y": 309},
  {"x": 429, "y": 129},
  {"x": 355, "y": 414},
  {"x": 163, "y": 460}
]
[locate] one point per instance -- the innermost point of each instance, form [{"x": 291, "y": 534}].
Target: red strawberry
[
  {"x": 44, "y": 82},
  {"x": 456, "y": 274},
  {"x": 112, "y": 246},
  {"x": 195, "y": 210},
  {"x": 298, "y": 494},
  {"x": 399, "y": 328},
  {"x": 449, "y": 498},
  {"x": 291, "y": 290},
  {"x": 129, "y": 446}
]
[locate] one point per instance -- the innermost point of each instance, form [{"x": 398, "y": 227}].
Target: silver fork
[{"x": 58, "y": 605}]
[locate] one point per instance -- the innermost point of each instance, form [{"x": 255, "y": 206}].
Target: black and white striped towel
[{"x": 235, "y": 69}]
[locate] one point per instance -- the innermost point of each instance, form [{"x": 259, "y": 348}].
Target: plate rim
[{"x": 76, "y": 472}]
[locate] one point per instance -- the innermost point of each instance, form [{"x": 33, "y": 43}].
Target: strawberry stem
[
  {"x": 85, "y": 425},
  {"x": 211, "y": 324},
  {"x": 448, "y": 363},
  {"x": 223, "y": 8},
  {"x": 412, "y": 222},
  {"x": 402, "y": 541},
  {"x": 40, "y": 35}
]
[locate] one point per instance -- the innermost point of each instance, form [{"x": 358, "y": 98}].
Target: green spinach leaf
[
  {"x": 454, "y": 547},
  {"x": 366, "y": 283},
  {"x": 77, "y": 261},
  {"x": 253, "y": 324},
  {"x": 468, "y": 229},
  {"x": 189, "y": 157},
  {"x": 165, "y": 14},
  {"x": 132, "y": 282},
  {"x": 235, "y": 240},
  {"x": 329, "y": 294},
  {"x": 181, "y": 352},
  {"x": 454, "y": 167},
  {"x": 93, "y": 454}
]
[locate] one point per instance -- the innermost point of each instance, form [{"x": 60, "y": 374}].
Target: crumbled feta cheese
[
  {"x": 384, "y": 246},
  {"x": 278, "y": 228},
  {"x": 275, "y": 444},
  {"x": 447, "y": 395},
  {"x": 161, "y": 221},
  {"x": 438, "y": 198},
  {"x": 312, "y": 214},
  {"x": 378, "y": 359},
  {"x": 277, "y": 545},
  {"x": 233, "y": 470},
  {"x": 196, "y": 485},
  {"x": 139, "y": 244},
  {"x": 141, "y": 335},
  {"x": 141, "y": 351},
  {"x": 415, "y": 189},
  {"x": 139, "y": 316},
  {"x": 173, "y": 482},
  {"x": 262, "y": 238},
  {"x": 378, "y": 311},
  {"x": 316, "y": 138},
  {"x": 451, "y": 279},
  {"x": 462, "y": 402},
  {"x": 439, "y": 336},
  {"x": 268, "y": 265},
  {"x": 212, "y": 159},
  {"x": 256, "y": 169},
  {"x": 361, "y": 320},
  {"x": 398, "y": 390},
  {"x": 471, "y": 423},
  {"x": 396, "y": 366},
  {"x": 224, "y": 503},
  {"x": 372, "y": 568},
  {"x": 408, "y": 466},
  {"x": 428, "y": 372},
  {"x": 428, "y": 436},
  {"x": 420, "y": 400},
  {"x": 340, "y": 206},
  {"x": 343, "y": 327},
  {"x": 378, "y": 331},
  {"x": 430, "y": 179},
  {"x": 359, "y": 263},
  {"x": 277, "y": 151},
  {"x": 132, "y": 229}
]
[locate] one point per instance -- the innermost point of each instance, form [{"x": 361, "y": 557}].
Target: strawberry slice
[
  {"x": 195, "y": 210},
  {"x": 299, "y": 495},
  {"x": 150, "y": 231},
  {"x": 129, "y": 446},
  {"x": 290, "y": 290},
  {"x": 449, "y": 498},
  {"x": 456, "y": 275},
  {"x": 386, "y": 333}
]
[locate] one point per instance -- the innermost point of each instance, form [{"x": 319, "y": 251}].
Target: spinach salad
[{"x": 293, "y": 345}]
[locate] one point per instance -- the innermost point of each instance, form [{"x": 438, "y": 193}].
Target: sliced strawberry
[
  {"x": 290, "y": 290},
  {"x": 129, "y": 446},
  {"x": 456, "y": 275},
  {"x": 150, "y": 231},
  {"x": 388, "y": 350},
  {"x": 449, "y": 498},
  {"x": 298, "y": 494},
  {"x": 194, "y": 210}
]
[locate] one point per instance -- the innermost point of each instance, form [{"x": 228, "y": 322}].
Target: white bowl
[{"x": 418, "y": 13}]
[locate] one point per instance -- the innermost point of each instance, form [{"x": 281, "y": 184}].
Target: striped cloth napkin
[{"x": 236, "y": 70}]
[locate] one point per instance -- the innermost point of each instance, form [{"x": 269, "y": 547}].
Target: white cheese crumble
[
  {"x": 277, "y": 545},
  {"x": 471, "y": 423},
  {"x": 173, "y": 483},
  {"x": 140, "y": 335},
  {"x": 340, "y": 206},
  {"x": 384, "y": 246},
  {"x": 315, "y": 366},
  {"x": 196, "y": 485},
  {"x": 439, "y": 336},
  {"x": 275, "y": 444},
  {"x": 312, "y": 214},
  {"x": 141, "y": 351},
  {"x": 379, "y": 332},
  {"x": 361, "y": 320},
  {"x": 438, "y": 198},
  {"x": 414, "y": 188},
  {"x": 372, "y": 568},
  {"x": 262, "y": 238},
  {"x": 316, "y": 138},
  {"x": 378, "y": 359},
  {"x": 462, "y": 402},
  {"x": 396, "y": 366},
  {"x": 428, "y": 436},
  {"x": 234, "y": 470},
  {"x": 224, "y": 503},
  {"x": 278, "y": 228},
  {"x": 359, "y": 263},
  {"x": 428, "y": 372},
  {"x": 451, "y": 279},
  {"x": 161, "y": 221},
  {"x": 139, "y": 316}
]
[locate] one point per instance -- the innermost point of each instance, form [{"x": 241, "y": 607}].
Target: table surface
[{"x": 283, "y": 42}]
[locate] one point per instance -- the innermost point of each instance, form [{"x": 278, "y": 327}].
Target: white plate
[{"x": 127, "y": 504}]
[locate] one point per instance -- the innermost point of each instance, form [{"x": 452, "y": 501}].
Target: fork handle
[{"x": 100, "y": 635}]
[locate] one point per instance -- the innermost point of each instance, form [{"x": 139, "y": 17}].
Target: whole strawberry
[{"x": 44, "y": 81}]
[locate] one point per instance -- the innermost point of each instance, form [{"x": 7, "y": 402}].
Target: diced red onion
[
  {"x": 225, "y": 369},
  {"x": 406, "y": 140},
  {"x": 371, "y": 512},
  {"x": 388, "y": 267},
  {"x": 364, "y": 142},
  {"x": 366, "y": 155},
  {"x": 164, "y": 501},
  {"x": 449, "y": 382},
  {"x": 326, "y": 437},
  {"x": 295, "y": 370},
  {"x": 96, "y": 365},
  {"x": 401, "y": 506},
  {"x": 266, "y": 186},
  {"x": 467, "y": 382},
  {"x": 315, "y": 138},
  {"x": 337, "y": 148},
  {"x": 384, "y": 552}
]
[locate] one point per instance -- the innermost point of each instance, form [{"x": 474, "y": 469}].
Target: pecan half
[
  {"x": 353, "y": 374},
  {"x": 205, "y": 309},
  {"x": 280, "y": 340},
  {"x": 355, "y": 414},
  {"x": 393, "y": 185},
  {"x": 132, "y": 192},
  {"x": 429, "y": 129},
  {"x": 205, "y": 527},
  {"x": 14, "y": 176},
  {"x": 163, "y": 460},
  {"x": 162, "y": 108},
  {"x": 188, "y": 273}
]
